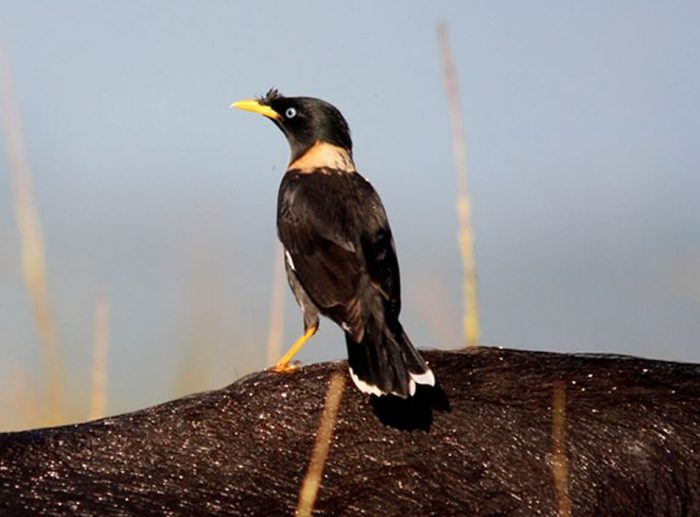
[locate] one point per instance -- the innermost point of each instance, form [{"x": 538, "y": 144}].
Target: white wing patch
[{"x": 289, "y": 260}]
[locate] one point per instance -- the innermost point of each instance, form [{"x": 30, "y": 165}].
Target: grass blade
[
  {"x": 466, "y": 232},
  {"x": 98, "y": 392},
  {"x": 32, "y": 243},
  {"x": 319, "y": 454}
]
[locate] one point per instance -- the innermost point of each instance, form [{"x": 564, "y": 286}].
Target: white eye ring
[{"x": 290, "y": 113}]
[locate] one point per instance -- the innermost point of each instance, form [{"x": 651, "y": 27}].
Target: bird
[{"x": 338, "y": 246}]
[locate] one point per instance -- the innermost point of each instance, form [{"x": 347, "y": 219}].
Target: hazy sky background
[{"x": 583, "y": 121}]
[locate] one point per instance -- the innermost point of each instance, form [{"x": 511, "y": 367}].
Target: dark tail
[{"x": 386, "y": 362}]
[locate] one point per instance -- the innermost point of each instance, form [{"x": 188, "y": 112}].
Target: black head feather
[
  {"x": 306, "y": 120},
  {"x": 271, "y": 95}
]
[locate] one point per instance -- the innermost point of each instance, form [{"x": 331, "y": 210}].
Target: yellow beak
[{"x": 255, "y": 106}]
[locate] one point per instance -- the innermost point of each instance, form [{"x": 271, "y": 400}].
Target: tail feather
[{"x": 386, "y": 362}]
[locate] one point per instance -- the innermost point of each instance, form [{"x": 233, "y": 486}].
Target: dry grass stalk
[
  {"x": 32, "y": 243},
  {"x": 276, "y": 331},
  {"x": 203, "y": 305},
  {"x": 324, "y": 435},
  {"x": 98, "y": 392},
  {"x": 21, "y": 399},
  {"x": 560, "y": 463},
  {"x": 436, "y": 314},
  {"x": 466, "y": 240}
]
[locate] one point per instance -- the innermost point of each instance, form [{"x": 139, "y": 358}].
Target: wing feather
[{"x": 335, "y": 228}]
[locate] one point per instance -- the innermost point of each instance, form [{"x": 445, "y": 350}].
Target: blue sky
[{"x": 582, "y": 122}]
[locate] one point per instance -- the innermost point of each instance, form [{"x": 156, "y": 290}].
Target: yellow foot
[{"x": 285, "y": 367}]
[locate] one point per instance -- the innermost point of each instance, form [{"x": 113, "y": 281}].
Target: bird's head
[{"x": 305, "y": 121}]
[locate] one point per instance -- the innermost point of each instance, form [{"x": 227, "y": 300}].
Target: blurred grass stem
[
  {"x": 276, "y": 331},
  {"x": 98, "y": 391},
  {"x": 560, "y": 463},
  {"x": 312, "y": 481},
  {"x": 466, "y": 239},
  {"x": 32, "y": 242}
]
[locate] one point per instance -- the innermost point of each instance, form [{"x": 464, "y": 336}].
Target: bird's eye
[{"x": 290, "y": 113}]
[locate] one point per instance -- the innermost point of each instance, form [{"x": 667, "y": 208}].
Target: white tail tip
[
  {"x": 426, "y": 377},
  {"x": 365, "y": 387}
]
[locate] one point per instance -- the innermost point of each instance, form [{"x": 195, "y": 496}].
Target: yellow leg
[{"x": 283, "y": 364}]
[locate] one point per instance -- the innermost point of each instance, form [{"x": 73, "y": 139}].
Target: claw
[
  {"x": 286, "y": 367},
  {"x": 283, "y": 365}
]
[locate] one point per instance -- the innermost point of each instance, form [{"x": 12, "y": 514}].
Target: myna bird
[{"x": 339, "y": 251}]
